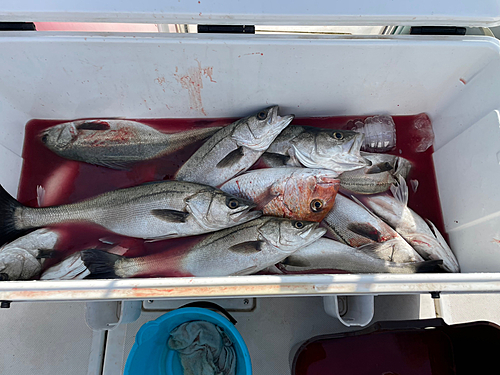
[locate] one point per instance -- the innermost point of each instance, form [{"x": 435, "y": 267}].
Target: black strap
[{"x": 211, "y": 306}]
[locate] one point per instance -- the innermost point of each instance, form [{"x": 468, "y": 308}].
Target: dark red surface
[
  {"x": 70, "y": 181},
  {"x": 379, "y": 353}
]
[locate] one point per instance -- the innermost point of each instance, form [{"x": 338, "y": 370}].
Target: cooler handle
[{"x": 211, "y": 306}]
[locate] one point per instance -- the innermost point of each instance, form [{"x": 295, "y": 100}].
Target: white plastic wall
[{"x": 456, "y": 80}]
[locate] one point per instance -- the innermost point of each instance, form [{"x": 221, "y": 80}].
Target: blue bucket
[{"x": 151, "y": 355}]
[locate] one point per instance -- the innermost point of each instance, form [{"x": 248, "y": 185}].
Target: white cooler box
[{"x": 454, "y": 79}]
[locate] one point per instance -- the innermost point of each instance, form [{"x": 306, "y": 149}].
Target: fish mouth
[
  {"x": 308, "y": 230},
  {"x": 353, "y": 151}
]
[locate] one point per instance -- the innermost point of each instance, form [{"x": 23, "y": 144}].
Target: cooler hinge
[{"x": 226, "y": 29}]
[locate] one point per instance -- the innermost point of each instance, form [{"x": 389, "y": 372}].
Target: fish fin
[
  {"x": 400, "y": 192},
  {"x": 170, "y": 216},
  {"x": 248, "y": 247},
  {"x": 246, "y": 271},
  {"x": 428, "y": 266},
  {"x": 231, "y": 159},
  {"x": 8, "y": 206},
  {"x": 436, "y": 233},
  {"x": 379, "y": 168},
  {"x": 42, "y": 254},
  {"x": 113, "y": 163},
  {"x": 94, "y": 125},
  {"x": 101, "y": 264},
  {"x": 365, "y": 230},
  {"x": 40, "y": 195},
  {"x": 4, "y": 276},
  {"x": 274, "y": 160}
]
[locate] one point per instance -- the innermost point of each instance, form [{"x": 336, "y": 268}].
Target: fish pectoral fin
[
  {"x": 246, "y": 271},
  {"x": 93, "y": 125},
  {"x": 365, "y": 230},
  {"x": 170, "y": 216},
  {"x": 263, "y": 199},
  {"x": 379, "y": 168},
  {"x": 231, "y": 159},
  {"x": 249, "y": 247},
  {"x": 400, "y": 192},
  {"x": 274, "y": 160}
]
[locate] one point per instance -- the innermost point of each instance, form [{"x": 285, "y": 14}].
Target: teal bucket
[{"x": 150, "y": 354}]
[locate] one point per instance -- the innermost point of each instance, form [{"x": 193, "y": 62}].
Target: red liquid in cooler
[{"x": 67, "y": 181}]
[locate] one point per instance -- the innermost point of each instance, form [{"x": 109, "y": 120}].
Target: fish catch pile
[{"x": 260, "y": 195}]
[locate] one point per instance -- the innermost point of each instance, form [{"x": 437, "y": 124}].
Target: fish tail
[
  {"x": 428, "y": 266},
  {"x": 101, "y": 264},
  {"x": 8, "y": 227}
]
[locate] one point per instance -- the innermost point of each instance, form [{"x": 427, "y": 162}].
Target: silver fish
[
  {"x": 352, "y": 224},
  {"x": 338, "y": 150},
  {"x": 155, "y": 210},
  {"x": 234, "y": 148},
  {"x": 423, "y": 236},
  {"x": 22, "y": 258},
  {"x": 326, "y": 254},
  {"x": 242, "y": 250},
  {"x": 383, "y": 173},
  {"x": 116, "y": 143}
]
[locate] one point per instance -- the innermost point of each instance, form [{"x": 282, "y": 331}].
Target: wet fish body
[
  {"x": 241, "y": 250},
  {"x": 295, "y": 193},
  {"x": 22, "y": 258},
  {"x": 234, "y": 148},
  {"x": 338, "y": 150},
  {"x": 116, "y": 144},
  {"x": 423, "y": 236},
  {"x": 351, "y": 224},
  {"x": 155, "y": 210},
  {"x": 327, "y": 254}
]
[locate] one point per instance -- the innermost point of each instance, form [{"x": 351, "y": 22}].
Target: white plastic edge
[
  {"x": 259, "y": 12},
  {"x": 247, "y": 286}
]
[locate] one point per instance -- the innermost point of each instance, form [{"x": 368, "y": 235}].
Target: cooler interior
[{"x": 452, "y": 79}]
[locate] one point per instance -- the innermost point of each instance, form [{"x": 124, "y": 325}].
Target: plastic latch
[
  {"x": 226, "y": 29},
  {"x": 437, "y": 30},
  {"x": 17, "y": 26}
]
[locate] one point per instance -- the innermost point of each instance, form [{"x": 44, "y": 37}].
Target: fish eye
[
  {"x": 262, "y": 115},
  {"x": 298, "y": 224},
  {"x": 233, "y": 203},
  {"x": 338, "y": 135},
  {"x": 316, "y": 205},
  {"x": 45, "y": 138}
]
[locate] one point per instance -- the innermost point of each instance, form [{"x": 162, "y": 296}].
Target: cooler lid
[{"x": 258, "y": 12}]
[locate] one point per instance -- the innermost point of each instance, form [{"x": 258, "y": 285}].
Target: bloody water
[{"x": 67, "y": 181}]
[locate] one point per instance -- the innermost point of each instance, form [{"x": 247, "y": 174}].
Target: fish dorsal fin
[
  {"x": 170, "y": 216},
  {"x": 231, "y": 159},
  {"x": 400, "y": 192},
  {"x": 40, "y": 195},
  {"x": 249, "y": 247},
  {"x": 94, "y": 125}
]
